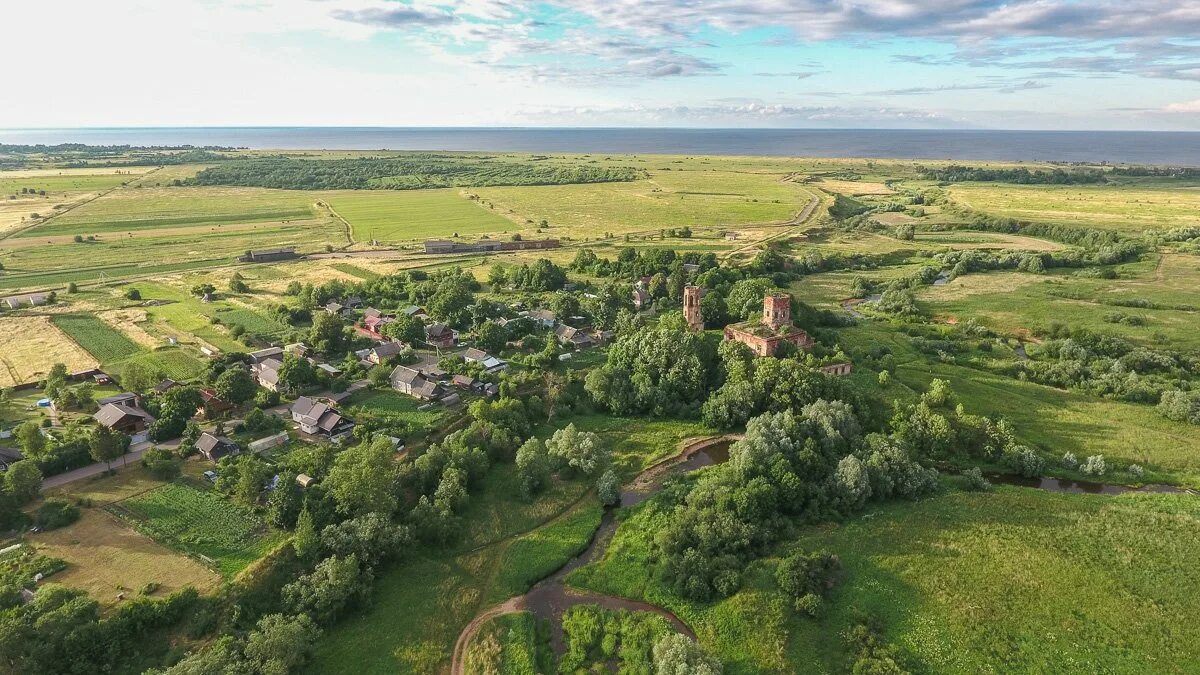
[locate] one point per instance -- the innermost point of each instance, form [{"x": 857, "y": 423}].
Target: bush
[
  {"x": 1094, "y": 466},
  {"x": 1136, "y": 470},
  {"x": 1025, "y": 461},
  {"x": 55, "y": 513},
  {"x": 1070, "y": 461},
  {"x": 975, "y": 480}
]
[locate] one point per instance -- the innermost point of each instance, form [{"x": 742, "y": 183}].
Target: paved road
[{"x": 131, "y": 458}]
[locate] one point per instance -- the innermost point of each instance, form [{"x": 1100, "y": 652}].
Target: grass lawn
[
  {"x": 413, "y": 214},
  {"x": 200, "y": 523},
  {"x": 1016, "y": 580},
  {"x": 518, "y": 639}
]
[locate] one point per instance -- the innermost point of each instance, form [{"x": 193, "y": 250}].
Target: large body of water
[{"x": 1133, "y": 147}]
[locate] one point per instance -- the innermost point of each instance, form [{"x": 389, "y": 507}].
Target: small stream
[
  {"x": 550, "y": 598},
  {"x": 1079, "y": 486}
]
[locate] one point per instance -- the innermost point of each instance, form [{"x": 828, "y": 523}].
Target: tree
[
  {"x": 162, "y": 463},
  {"x": 105, "y": 445},
  {"x": 133, "y": 294},
  {"x": 491, "y": 337},
  {"x": 363, "y": 479},
  {"x": 533, "y": 467},
  {"x": 280, "y": 644},
  {"x": 305, "y": 541},
  {"x": 335, "y": 584},
  {"x": 372, "y": 537},
  {"x": 802, "y": 575},
  {"x": 140, "y": 377},
  {"x": 296, "y": 374},
  {"x": 235, "y": 385},
  {"x": 327, "y": 333},
  {"x": 608, "y": 488},
  {"x": 577, "y": 450},
  {"x": 204, "y": 289},
  {"x": 677, "y": 654},
  {"x": 407, "y": 329},
  {"x": 23, "y": 480},
  {"x": 29, "y": 437}
]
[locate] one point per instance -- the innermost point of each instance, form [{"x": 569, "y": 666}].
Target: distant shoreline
[{"x": 1175, "y": 148}]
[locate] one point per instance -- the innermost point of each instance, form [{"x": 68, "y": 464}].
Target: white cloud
[{"x": 1188, "y": 107}]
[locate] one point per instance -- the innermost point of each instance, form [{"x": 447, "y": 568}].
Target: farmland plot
[
  {"x": 100, "y": 340},
  {"x": 199, "y": 523},
  {"x": 32, "y": 344}
]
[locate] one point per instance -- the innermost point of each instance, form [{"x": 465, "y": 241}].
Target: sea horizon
[{"x": 1172, "y": 148}]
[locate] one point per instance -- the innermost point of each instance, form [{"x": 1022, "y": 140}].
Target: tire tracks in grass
[{"x": 72, "y": 207}]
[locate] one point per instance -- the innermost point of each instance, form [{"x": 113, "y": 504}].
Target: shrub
[
  {"x": 1094, "y": 466},
  {"x": 1025, "y": 461},
  {"x": 55, "y": 513},
  {"x": 975, "y": 480},
  {"x": 1136, "y": 470},
  {"x": 1070, "y": 461}
]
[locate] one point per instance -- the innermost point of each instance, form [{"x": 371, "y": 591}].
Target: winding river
[{"x": 550, "y": 598}]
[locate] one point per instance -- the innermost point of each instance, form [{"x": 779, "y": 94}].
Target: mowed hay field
[
  {"x": 400, "y": 215},
  {"x": 31, "y": 345},
  {"x": 145, "y": 208},
  {"x": 105, "y": 556},
  {"x": 1130, "y": 209},
  {"x": 669, "y": 199}
]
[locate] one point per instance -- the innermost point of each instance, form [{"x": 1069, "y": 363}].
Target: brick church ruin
[{"x": 764, "y": 337}]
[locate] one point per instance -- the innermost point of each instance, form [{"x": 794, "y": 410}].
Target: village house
[
  {"x": 266, "y": 373},
  {"x": 439, "y": 335},
  {"x": 641, "y": 299},
  {"x": 837, "y": 369},
  {"x": 127, "y": 419},
  {"x": 215, "y": 447},
  {"x": 319, "y": 419},
  {"x": 337, "y": 309},
  {"x": 464, "y": 382},
  {"x": 411, "y": 382},
  {"x": 774, "y": 329},
  {"x": 414, "y": 312},
  {"x": 165, "y": 386},
  {"x": 575, "y": 337},
  {"x": 212, "y": 406},
  {"x": 126, "y": 398},
  {"x": 490, "y": 363},
  {"x": 384, "y": 352},
  {"x": 264, "y": 354},
  {"x": 542, "y": 317}
]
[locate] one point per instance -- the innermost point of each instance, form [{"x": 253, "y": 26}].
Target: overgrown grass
[{"x": 413, "y": 214}]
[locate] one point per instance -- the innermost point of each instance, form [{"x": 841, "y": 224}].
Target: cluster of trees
[
  {"x": 955, "y": 173},
  {"x": 809, "y": 463},
  {"x": 414, "y": 171},
  {"x": 633, "y": 263},
  {"x": 62, "y": 629},
  {"x": 1112, "y": 367},
  {"x": 542, "y": 275},
  {"x": 753, "y": 386},
  {"x": 659, "y": 371}
]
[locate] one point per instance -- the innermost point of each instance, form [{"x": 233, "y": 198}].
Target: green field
[
  {"x": 199, "y": 523},
  {"x": 962, "y": 583},
  {"x": 100, "y": 340},
  {"x": 669, "y": 199},
  {"x": 56, "y": 185},
  {"x": 173, "y": 362},
  {"x": 1132, "y": 209},
  {"x": 413, "y": 214},
  {"x": 156, "y": 208}
]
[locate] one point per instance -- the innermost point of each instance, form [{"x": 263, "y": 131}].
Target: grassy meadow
[
  {"x": 394, "y": 216},
  {"x": 1126, "y": 208},
  {"x": 961, "y": 582}
]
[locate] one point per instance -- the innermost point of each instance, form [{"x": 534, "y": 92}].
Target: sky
[{"x": 1015, "y": 64}]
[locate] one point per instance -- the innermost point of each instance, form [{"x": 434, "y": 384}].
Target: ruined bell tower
[
  {"x": 777, "y": 311},
  {"x": 691, "y": 307}
]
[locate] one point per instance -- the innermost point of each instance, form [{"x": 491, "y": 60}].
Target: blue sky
[{"x": 1033, "y": 64}]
